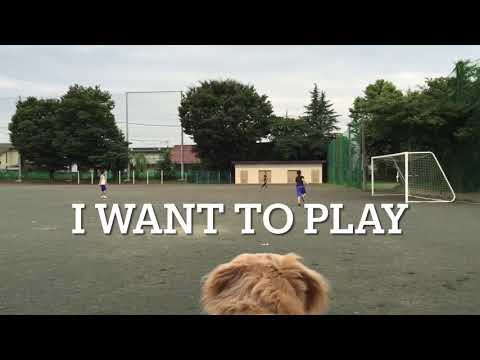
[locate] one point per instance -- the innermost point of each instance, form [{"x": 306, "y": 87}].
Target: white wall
[
  {"x": 279, "y": 172},
  {"x": 9, "y": 159}
]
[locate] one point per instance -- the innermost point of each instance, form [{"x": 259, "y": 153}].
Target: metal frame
[
  {"x": 181, "y": 128},
  {"x": 407, "y": 195}
]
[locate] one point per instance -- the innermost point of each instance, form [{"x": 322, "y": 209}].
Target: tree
[
  {"x": 90, "y": 135},
  {"x": 140, "y": 162},
  {"x": 376, "y": 110},
  {"x": 321, "y": 120},
  {"x": 166, "y": 165},
  {"x": 320, "y": 115},
  {"x": 79, "y": 128},
  {"x": 33, "y": 132},
  {"x": 226, "y": 119},
  {"x": 290, "y": 139}
]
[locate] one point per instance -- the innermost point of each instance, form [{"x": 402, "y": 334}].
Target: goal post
[{"x": 417, "y": 176}]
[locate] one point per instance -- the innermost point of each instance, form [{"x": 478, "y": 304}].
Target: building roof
[
  {"x": 279, "y": 162},
  {"x": 4, "y": 147},
  {"x": 147, "y": 149},
  {"x": 189, "y": 154}
]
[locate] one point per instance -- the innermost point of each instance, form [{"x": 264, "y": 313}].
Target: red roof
[{"x": 189, "y": 155}]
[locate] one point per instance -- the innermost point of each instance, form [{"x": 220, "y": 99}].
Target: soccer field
[{"x": 432, "y": 268}]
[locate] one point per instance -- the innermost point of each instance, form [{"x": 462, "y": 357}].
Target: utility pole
[
  {"x": 181, "y": 146},
  {"x": 126, "y": 133},
  {"x": 364, "y": 157},
  {"x": 349, "y": 154}
]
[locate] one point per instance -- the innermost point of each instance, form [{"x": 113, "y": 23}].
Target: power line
[{"x": 141, "y": 124}]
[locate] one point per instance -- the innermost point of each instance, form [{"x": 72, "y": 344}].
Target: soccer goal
[{"x": 418, "y": 176}]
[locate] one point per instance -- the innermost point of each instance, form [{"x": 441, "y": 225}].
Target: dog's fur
[{"x": 253, "y": 284}]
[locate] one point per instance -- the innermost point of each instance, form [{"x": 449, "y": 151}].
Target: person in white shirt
[{"x": 103, "y": 184}]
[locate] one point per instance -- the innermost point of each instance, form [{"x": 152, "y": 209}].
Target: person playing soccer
[
  {"x": 300, "y": 187},
  {"x": 103, "y": 184},
  {"x": 264, "y": 185}
]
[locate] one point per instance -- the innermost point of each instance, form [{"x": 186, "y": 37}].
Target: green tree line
[{"x": 230, "y": 121}]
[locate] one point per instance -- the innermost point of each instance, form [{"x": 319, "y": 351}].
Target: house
[
  {"x": 9, "y": 157},
  {"x": 152, "y": 155},
  {"x": 189, "y": 155},
  {"x": 278, "y": 172}
]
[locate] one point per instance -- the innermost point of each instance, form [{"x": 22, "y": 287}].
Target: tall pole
[
  {"x": 128, "y": 144},
  {"x": 406, "y": 178},
  {"x": 364, "y": 173},
  {"x": 181, "y": 146},
  {"x": 349, "y": 156},
  {"x": 372, "y": 179}
]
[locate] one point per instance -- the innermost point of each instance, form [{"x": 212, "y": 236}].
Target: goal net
[{"x": 418, "y": 176}]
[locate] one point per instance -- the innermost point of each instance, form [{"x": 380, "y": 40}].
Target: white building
[{"x": 278, "y": 172}]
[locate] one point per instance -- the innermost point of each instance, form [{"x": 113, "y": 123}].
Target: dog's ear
[
  {"x": 219, "y": 279},
  {"x": 316, "y": 288},
  {"x": 318, "y": 291}
]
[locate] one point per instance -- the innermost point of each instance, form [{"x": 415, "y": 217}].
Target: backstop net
[{"x": 344, "y": 162}]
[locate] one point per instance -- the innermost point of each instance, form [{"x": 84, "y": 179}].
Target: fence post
[
  {"x": 133, "y": 173},
  {"x": 230, "y": 177},
  {"x": 91, "y": 176},
  {"x": 119, "y": 177},
  {"x": 161, "y": 177},
  {"x": 78, "y": 176},
  {"x": 219, "y": 176},
  {"x": 19, "y": 168},
  {"x": 147, "y": 177}
]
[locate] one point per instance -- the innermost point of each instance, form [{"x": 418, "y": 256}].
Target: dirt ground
[{"x": 432, "y": 268}]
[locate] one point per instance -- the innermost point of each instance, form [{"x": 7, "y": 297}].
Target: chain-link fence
[
  {"x": 152, "y": 176},
  {"x": 189, "y": 177}
]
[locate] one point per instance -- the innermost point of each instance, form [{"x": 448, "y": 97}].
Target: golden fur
[{"x": 253, "y": 284}]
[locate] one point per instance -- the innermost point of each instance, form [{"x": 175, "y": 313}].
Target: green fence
[
  {"x": 43, "y": 176},
  {"x": 152, "y": 176},
  {"x": 189, "y": 177},
  {"x": 9, "y": 175},
  {"x": 209, "y": 177},
  {"x": 344, "y": 162}
]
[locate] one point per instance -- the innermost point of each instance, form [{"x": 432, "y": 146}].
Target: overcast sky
[{"x": 285, "y": 74}]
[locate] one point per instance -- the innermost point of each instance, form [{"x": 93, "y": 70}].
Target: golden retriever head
[{"x": 264, "y": 284}]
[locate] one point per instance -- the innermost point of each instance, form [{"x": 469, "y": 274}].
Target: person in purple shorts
[
  {"x": 103, "y": 184},
  {"x": 300, "y": 188}
]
